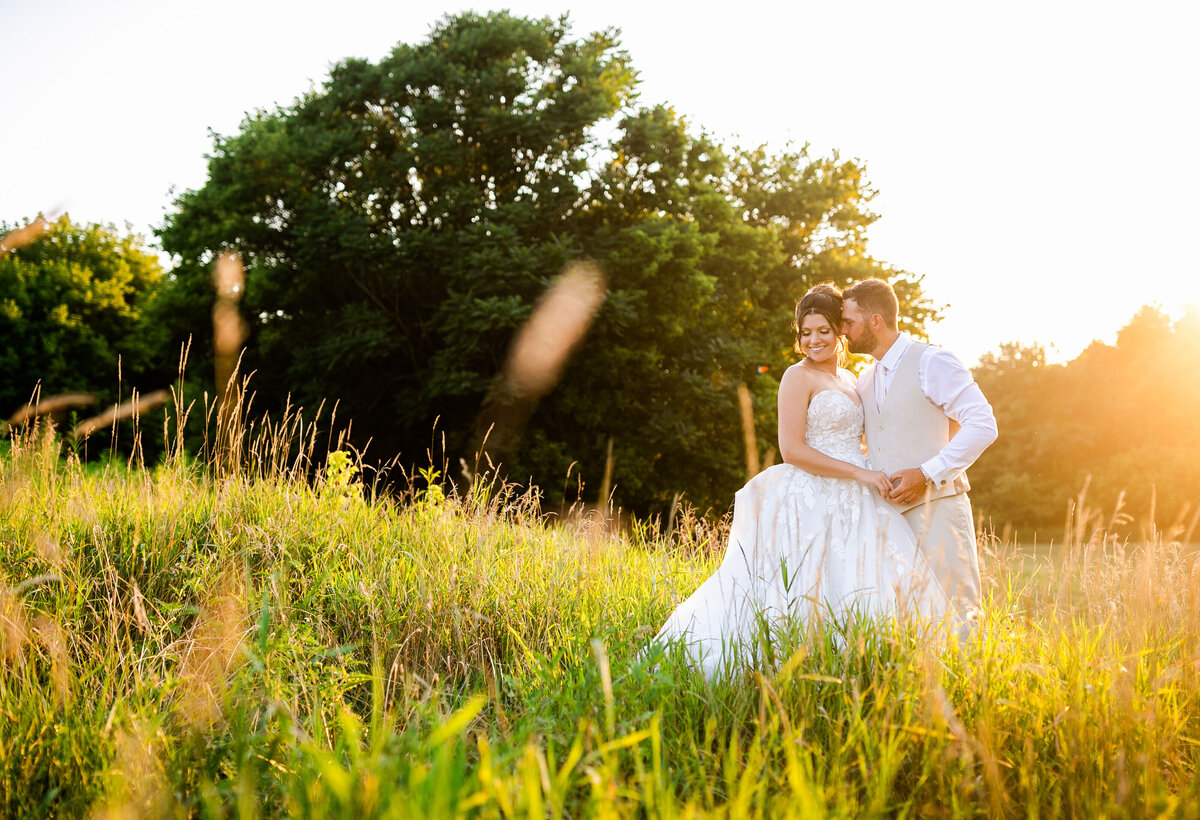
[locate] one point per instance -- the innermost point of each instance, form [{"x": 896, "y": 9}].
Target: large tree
[
  {"x": 71, "y": 303},
  {"x": 399, "y": 223}
]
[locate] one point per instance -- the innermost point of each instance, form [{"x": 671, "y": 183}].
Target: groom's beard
[{"x": 865, "y": 343}]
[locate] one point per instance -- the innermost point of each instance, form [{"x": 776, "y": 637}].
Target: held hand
[
  {"x": 876, "y": 479},
  {"x": 907, "y": 486}
]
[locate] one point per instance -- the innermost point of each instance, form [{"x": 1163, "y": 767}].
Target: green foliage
[
  {"x": 340, "y": 472},
  {"x": 175, "y": 644},
  {"x": 1118, "y": 419},
  {"x": 399, "y": 223},
  {"x": 431, "y": 495},
  {"x": 71, "y": 303}
]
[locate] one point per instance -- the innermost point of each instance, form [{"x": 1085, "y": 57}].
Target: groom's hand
[{"x": 907, "y": 485}]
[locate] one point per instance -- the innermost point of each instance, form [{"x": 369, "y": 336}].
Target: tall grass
[{"x": 179, "y": 641}]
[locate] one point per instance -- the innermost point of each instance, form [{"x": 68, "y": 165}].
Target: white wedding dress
[{"x": 807, "y": 546}]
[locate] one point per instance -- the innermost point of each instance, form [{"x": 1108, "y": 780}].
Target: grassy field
[{"x": 174, "y": 643}]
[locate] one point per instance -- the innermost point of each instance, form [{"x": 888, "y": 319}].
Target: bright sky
[{"x": 1036, "y": 161}]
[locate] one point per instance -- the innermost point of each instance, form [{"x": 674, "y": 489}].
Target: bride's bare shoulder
[
  {"x": 797, "y": 386},
  {"x": 797, "y": 376}
]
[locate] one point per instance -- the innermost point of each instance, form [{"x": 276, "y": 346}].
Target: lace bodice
[{"x": 835, "y": 426}]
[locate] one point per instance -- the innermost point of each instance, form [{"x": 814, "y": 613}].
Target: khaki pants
[{"x": 945, "y": 531}]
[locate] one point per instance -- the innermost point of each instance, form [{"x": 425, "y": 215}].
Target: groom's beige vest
[{"x": 908, "y": 429}]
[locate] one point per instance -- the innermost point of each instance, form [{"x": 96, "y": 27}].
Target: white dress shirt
[{"x": 947, "y": 383}]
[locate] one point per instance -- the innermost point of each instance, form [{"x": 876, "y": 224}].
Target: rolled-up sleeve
[{"x": 947, "y": 382}]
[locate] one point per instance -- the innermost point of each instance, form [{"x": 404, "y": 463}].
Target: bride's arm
[{"x": 796, "y": 390}]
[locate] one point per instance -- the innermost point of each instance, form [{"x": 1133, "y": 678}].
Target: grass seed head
[
  {"x": 13, "y": 631},
  {"x": 211, "y": 653},
  {"x": 50, "y": 636},
  {"x": 558, "y": 324}
]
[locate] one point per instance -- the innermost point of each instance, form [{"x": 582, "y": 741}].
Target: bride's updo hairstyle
[{"x": 824, "y": 300}]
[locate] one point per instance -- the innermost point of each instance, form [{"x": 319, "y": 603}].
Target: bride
[{"x": 812, "y": 536}]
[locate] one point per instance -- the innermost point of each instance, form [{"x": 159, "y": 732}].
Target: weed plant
[{"x": 211, "y": 640}]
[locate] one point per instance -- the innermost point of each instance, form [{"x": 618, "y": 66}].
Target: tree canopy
[
  {"x": 399, "y": 223},
  {"x": 71, "y": 303},
  {"x": 1118, "y": 419}
]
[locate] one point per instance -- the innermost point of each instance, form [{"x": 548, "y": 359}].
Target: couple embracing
[{"x": 834, "y": 531}]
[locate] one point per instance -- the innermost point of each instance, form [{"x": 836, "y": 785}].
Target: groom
[{"x": 926, "y": 421}]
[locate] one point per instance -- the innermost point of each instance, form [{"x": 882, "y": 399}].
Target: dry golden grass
[{"x": 252, "y": 645}]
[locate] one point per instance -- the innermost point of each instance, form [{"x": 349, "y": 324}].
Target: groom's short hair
[{"x": 875, "y": 296}]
